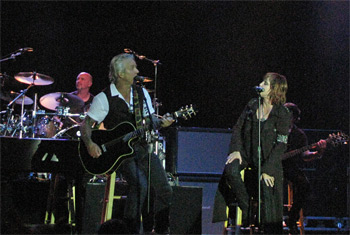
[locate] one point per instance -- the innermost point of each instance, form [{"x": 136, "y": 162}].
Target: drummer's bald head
[
  {"x": 85, "y": 75},
  {"x": 117, "y": 66}
]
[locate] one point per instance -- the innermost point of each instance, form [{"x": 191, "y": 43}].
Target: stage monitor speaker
[
  {"x": 23, "y": 201},
  {"x": 185, "y": 210},
  {"x": 200, "y": 151}
]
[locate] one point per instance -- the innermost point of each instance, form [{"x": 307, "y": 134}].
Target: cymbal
[
  {"x": 9, "y": 96},
  {"x": 34, "y": 78},
  {"x": 53, "y": 100},
  {"x": 150, "y": 90}
]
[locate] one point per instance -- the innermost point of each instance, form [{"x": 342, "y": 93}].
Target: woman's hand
[
  {"x": 269, "y": 180},
  {"x": 233, "y": 156}
]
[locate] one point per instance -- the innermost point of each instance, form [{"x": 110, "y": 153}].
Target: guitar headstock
[
  {"x": 186, "y": 112},
  {"x": 337, "y": 139}
]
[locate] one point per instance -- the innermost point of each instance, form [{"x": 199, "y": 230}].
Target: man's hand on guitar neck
[
  {"x": 310, "y": 156},
  {"x": 167, "y": 120}
]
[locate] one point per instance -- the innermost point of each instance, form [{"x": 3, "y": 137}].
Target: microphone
[
  {"x": 26, "y": 49},
  {"x": 141, "y": 79},
  {"x": 129, "y": 51},
  {"x": 258, "y": 89}
]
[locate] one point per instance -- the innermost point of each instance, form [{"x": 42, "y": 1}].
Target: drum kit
[{"x": 60, "y": 110}]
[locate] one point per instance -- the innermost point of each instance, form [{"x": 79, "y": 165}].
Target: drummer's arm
[{"x": 85, "y": 129}]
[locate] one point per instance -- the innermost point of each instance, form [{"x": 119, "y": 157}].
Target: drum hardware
[
  {"x": 49, "y": 124},
  {"x": 60, "y": 133},
  {"x": 33, "y": 79},
  {"x": 9, "y": 96},
  {"x": 19, "y": 99},
  {"x": 62, "y": 111},
  {"x": 41, "y": 112}
]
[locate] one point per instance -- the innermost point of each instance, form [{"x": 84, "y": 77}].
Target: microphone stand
[
  {"x": 260, "y": 110},
  {"x": 154, "y": 132},
  {"x": 149, "y": 139}
]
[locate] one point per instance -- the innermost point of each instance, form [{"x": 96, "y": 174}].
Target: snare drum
[{"x": 47, "y": 127}]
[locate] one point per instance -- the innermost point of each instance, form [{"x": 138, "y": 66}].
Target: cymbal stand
[
  {"x": 9, "y": 118},
  {"x": 23, "y": 92},
  {"x": 34, "y": 114}
]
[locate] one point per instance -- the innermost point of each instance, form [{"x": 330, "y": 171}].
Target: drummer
[
  {"x": 77, "y": 106},
  {"x": 83, "y": 85}
]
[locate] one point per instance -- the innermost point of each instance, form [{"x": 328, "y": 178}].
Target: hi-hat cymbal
[
  {"x": 9, "y": 96},
  {"x": 62, "y": 99},
  {"x": 34, "y": 78}
]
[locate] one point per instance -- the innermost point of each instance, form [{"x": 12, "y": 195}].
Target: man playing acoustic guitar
[{"x": 122, "y": 106}]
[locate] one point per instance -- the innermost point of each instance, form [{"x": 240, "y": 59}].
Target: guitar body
[
  {"x": 116, "y": 144},
  {"x": 114, "y": 149}
]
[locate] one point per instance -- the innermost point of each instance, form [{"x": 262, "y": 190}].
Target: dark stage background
[{"x": 212, "y": 53}]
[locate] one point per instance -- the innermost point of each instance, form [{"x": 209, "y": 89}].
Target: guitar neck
[{"x": 295, "y": 152}]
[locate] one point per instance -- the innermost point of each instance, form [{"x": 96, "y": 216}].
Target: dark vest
[{"x": 119, "y": 110}]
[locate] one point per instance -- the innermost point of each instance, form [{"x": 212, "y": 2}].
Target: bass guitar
[
  {"x": 117, "y": 144},
  {"x": 334, "y": 139}
]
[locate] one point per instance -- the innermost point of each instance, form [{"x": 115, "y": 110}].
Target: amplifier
[{"x": 197, "y": 151}]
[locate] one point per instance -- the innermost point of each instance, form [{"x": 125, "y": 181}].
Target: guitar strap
[{"x": 137, "y": 108}]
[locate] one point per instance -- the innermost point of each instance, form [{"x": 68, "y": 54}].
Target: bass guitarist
[
  {"x": 123, "y": 101},
  {"x": 292, "y": 167}
]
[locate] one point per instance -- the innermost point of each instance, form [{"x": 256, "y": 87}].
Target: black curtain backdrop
[{"x": 212, "y": 53}]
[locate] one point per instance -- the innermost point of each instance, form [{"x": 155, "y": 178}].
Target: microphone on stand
[
  {"x": 258, "y": 89},
  {"x": 129, "y": 51},
  {"x": 26, "y": 49},
  {"x": 20, "y": 52},
  {"x": 141, "y": 79}
]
